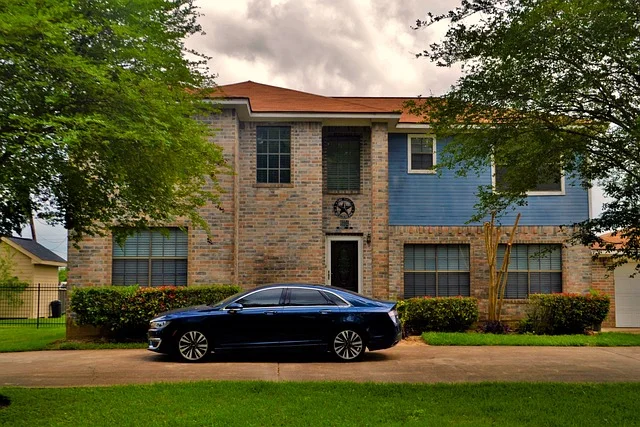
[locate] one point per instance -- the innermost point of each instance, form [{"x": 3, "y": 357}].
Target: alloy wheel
[
  {"x": 193, "y": 346},
  {"x": 348, "y": 345}
]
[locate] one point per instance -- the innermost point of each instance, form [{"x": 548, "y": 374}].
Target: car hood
[{"x": 186, "y": 310}]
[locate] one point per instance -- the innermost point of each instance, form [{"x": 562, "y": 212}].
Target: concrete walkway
[{"x": 407, "y": 362}]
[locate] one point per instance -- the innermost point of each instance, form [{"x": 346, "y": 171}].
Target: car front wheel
[
  {"x": 192, "y": 346},
  {"x": 348, "y": 345}
]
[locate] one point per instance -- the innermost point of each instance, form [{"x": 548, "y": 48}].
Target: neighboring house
[
  {"x": 34, "y": 264},
  {"x": 341, "y": 191},
  {"x": 623, "y": 284}
]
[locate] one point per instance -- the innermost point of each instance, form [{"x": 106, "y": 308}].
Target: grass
[
  {"x": 21, "y": 338},
  {"x": 324, "y": 404},
  {"x": 605, "y": 339}
]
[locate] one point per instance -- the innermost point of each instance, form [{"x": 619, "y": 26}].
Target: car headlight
[{"x": 158, "y": 324}]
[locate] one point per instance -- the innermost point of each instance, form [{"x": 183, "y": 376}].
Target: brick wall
[
  {"x": 208, "y": 261},
  {"x": 360, "y": 222},
  {"x": 279, "y": 235},
  {"x": 380, "y": 211},
  {"x": 576, "y": 264},
  {"x": 603, "y": 280}
]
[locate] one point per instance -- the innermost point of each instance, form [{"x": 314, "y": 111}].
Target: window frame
[
  {"x": 560, "y": 192},
  {"x": 436, "y": 271},
  {"x": 150, "y": 258},
  {"x": 434, "y": 150},
  {"x": 278, "y": 305},
  {"x": 528, "y": 271},
  {"x": 279, "y": 154},
  {"x": 329, "y": 141}
]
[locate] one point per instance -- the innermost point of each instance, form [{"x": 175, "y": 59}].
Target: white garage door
[{"x": 627, "y": 297}]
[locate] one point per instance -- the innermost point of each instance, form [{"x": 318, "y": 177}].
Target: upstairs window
[
  {"x": 533, "y": 269},
  {"x": 436, "y": 270},
  {"x": 546, "y": 183},
  {"x": 421, "y": 154},
  {"x": 343, "y": 164},
  {"x": 151, "y": 258},
  {"x": 273, "y": 154}
]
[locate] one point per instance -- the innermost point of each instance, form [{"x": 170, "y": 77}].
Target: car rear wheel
[
  {"x": 192, "y": 346},
  {"x": 348, "y": 345}
]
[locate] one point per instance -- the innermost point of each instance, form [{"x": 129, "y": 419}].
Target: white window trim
[
  {"x": 423, "y": 171},
  {"x": 531, "y": 193}
]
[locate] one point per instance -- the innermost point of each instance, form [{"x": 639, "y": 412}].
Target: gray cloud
[{"x": 332, "y": 47}]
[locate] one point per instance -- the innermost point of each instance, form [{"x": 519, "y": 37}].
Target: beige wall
[{"x": 22, "y": 265}]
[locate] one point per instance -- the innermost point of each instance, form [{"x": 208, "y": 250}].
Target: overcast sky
[{"x": 327, "y": 47}]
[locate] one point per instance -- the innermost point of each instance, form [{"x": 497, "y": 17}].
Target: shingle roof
[
  {"x": 36, "y": 249},
  {"x": 265, "y": 98},
  {"x": 617, "y": 241}
]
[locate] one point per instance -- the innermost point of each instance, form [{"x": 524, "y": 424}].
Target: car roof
[{"x": 344, "y": 293}]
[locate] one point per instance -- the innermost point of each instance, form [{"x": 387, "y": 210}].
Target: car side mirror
[{"x": 234, "y": 307}]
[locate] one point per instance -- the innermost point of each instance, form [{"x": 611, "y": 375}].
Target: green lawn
[
  {"x": 325, "y": 404},
  {"x": 605, "y": 339},
  {"x": 28, "y": 338}
]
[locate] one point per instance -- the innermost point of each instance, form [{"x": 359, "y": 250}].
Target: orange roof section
[
  {"x": 617, "y": 241},
  {"x": 272, "y": 99}
]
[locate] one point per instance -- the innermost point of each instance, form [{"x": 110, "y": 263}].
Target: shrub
[
  {"x": 124, "y": 312},
  {"x": 442, "y": 314},
  {"x": 558, "y": 314}
]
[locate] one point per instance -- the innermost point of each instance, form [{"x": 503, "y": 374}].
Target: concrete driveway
[{"x": 407, "y": 362}]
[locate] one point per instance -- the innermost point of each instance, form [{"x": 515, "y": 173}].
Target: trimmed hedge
[
  {"x": 124, "y": 312},
  {"x": 441, "y": 314},
  {"x": 561, "y": 314}
]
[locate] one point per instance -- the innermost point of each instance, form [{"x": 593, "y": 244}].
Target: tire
[
  {"x": 192, "y": 346},
  {"x": 348, "y": 345}
]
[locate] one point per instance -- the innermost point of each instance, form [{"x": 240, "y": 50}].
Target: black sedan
[{"x": 279, "y": 316}]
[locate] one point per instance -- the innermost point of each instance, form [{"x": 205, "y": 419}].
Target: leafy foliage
[
  {"x": 443, "y": 314},
  {"x": 559, "y": 314},
  {"x": 547, "y": 85},
  {"x": 125, "y": 311},
  {"x": 11, "y": 288},
  {"x": 98, "y": 115}
]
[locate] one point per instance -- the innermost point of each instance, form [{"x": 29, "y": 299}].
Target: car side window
[
  {"x": 336, "y": 299},
  {"x": 306, "y": 297},
  {"x": 265, "y": 298}
]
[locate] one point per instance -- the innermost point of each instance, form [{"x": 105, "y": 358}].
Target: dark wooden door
[{"x": 344, "y": 264}]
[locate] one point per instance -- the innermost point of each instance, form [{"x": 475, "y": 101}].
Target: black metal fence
[{"x": 35, "y": 305}]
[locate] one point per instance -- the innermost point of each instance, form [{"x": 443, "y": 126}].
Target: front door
[{"x": 344, "y": 264}]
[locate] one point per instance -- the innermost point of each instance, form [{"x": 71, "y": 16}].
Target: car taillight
[{"x": 393, "y": 314}]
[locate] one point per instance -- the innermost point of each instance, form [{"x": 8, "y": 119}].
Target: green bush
[
  {"x": 124, "y": 311},
  {"x": 560, "y": 314},
  {"x": 442, "y": 314}
]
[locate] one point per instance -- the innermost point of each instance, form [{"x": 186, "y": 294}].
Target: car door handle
[
  {"x": 325, "y": 311},
  {"x": 269, "y": 313}
]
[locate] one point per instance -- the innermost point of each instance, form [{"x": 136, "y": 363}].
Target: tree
[
  {"x": 497, "y": 274},
  {"x": 98, "y": 115},
  {"x": 547, "y": 85}
]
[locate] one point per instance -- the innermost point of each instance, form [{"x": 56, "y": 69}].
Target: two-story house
[{"x": 342, "y": 191}]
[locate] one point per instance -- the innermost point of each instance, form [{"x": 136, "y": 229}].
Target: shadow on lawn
[{"x": 4, "y": 401}]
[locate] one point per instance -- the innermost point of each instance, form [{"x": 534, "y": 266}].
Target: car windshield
[{"x": 227, "y": 300}]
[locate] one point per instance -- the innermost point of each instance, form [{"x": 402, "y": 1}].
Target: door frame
[{"x": 327, "y": 263}]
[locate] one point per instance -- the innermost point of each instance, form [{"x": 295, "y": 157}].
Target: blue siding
[{"x": 447, "y": 199}]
